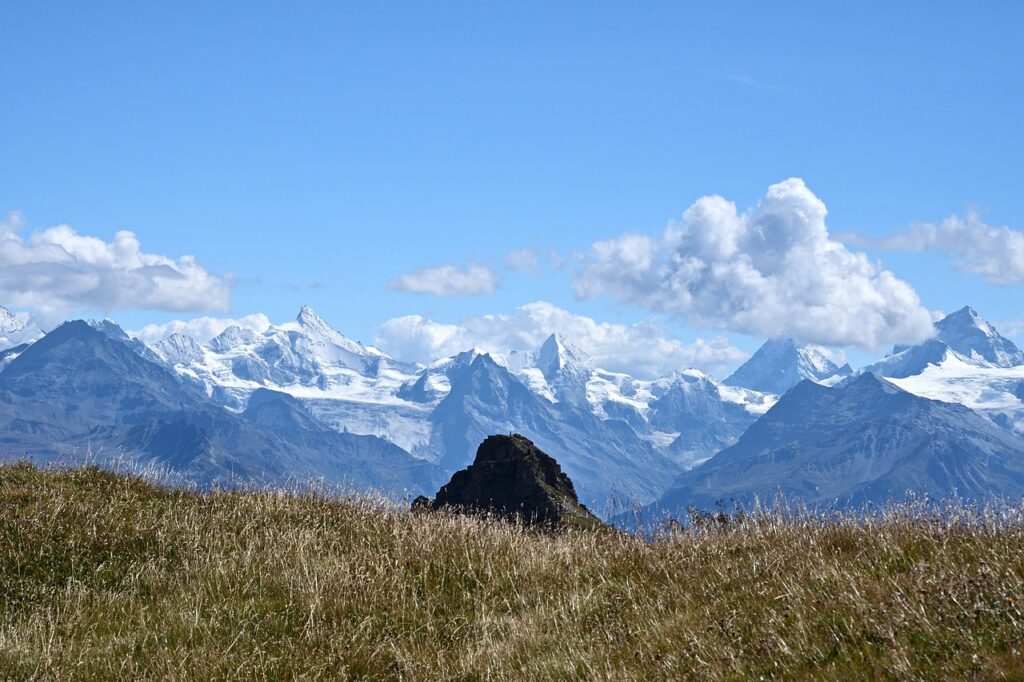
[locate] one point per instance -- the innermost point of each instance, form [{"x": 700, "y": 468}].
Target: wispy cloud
[
  {"x": 448, "y": 280},
  {"x": 522, "y": 260},
  {"x": 994, "y": 253}
]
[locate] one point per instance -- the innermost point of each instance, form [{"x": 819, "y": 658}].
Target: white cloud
[
  {"x": 448, "y": 280},
  {"x": 644, "y": 349},
  {"x": 1013, "y": 329},
  {"x": 202, "y": 329},
  {"x": 58, "y": 270},
  {"x": 995, "y": 253},
  {"x": 771, "y": 271},
  {"x": 522, "y": 260}
]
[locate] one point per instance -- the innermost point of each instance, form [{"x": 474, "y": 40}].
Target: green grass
[{"x": 103, "y": 576}]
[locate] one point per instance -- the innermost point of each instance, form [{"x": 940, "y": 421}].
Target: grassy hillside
[{"x": 105, "y": 576}]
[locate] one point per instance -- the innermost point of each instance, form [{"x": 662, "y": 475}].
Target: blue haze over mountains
[{"x": 301, "y": 402}]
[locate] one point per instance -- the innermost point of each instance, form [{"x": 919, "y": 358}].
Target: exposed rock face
[{"x": 512, "y": 478}]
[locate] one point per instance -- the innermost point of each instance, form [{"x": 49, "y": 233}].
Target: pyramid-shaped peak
[
  {"x": 781, "y": 363},
  {"x": 555, "y": 354},
  {"x": 313, "y": 324},
  {"x": 966, "y": 319},
  {"x": 966, "y": 315},
  {"x": 974, "y": 338}
]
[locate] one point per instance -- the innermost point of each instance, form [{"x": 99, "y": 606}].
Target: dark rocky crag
[{"x": 513, "y": 479}]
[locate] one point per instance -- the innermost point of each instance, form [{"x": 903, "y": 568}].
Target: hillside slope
[{"x": 106, "y": 577}]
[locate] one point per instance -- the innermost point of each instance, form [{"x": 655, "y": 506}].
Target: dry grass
[{"x": 103, "y": 576}]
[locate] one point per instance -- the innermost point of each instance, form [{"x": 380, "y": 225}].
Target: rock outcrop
[{"x": 513, "y": 479}]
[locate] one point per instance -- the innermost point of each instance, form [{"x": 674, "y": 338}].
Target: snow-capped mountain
[
  {"x": 975, "y": 339},
  {"x": 81, "y": 394},
  {"x": 668, "y": 423},
  {"x": 15, "y": 331},
  {"x": 305, "y": 358},
  {"x": 179, "y": 349},
  {"x": 780, "y": 364},
  {"x": 300, "y": 399},
  {"x": 8, "y": 322},
  {"x": 967, "y": 362},
  {"x": 559, "y": 371},
  {"x": 865, "y": 440},
  {"x": 964, "y": 333}
]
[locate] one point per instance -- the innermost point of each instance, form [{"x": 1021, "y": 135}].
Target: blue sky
[{"x": 318, "y": 153}]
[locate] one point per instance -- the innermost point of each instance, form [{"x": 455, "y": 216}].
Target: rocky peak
[
  {"x": 231, "y": 337},
  {"x": 512, "y": 478},
  {"x": 972, "y": 337},
  {"x": 179, "y": 349},
  {"x": 555, "y": 355},
  {"x": 9, "y": 322},
  {"x": 780, "y": 364},
  {"x": 307, "y": 317},
  {"x": 110, "y": 328}
]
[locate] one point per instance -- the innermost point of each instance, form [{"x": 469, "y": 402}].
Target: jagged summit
[
  {"x": 782, "y": 363},
  {"x": 965, "y": 333},
  {"x": 307, "y": 317},
  {"x": 864, "y": 440},
  {"x": 14, "y": 331},
  {"x": 513, "y": 478},
  {"x": 558, "y": 370},
  {"x": 556, "y": 355},
  {"x": 974, "y": 338},
  {"x": 320, "y": 332},
  {"x": 110, "y": 328},
  {"x": 9, "y": 322},
  {"x": 179, "y": 349},
  {"x": 232, "y": 337}
]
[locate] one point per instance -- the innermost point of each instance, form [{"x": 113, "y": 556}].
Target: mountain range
[{"x": 299, "y": 401}]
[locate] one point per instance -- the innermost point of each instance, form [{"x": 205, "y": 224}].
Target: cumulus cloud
[
  {"x": 58, "y": 270},
  {"x": 644, "y": 349},
  {"x": 522, "y": 260},
  {"x": 448, "y": 280},
  {"x": 202, "y": 329},
  {"x": 995, "y": 253},
  {"x": 773, "y": 270}
]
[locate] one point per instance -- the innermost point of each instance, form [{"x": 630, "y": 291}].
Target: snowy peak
[
  {"x": 316, "y": 328},
  {"x": 557, "y": 371},
  {"x": 780, "y": 364},
  {"x": 966, "y": 334},
  {"x": 9, "y": 323},
  {"x": 308, "y": 319},
  {"x": 233, "y": 337},
  {"x": 14, "y": 331},
  {"x": 975, "y": 339},
  {"x": 555, "y": 355},
  {"x": 109, "y": 328},
  {"x": 179, "y": 349}
]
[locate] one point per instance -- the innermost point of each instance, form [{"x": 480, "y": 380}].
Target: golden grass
[{"x": 103, "y": 576}]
